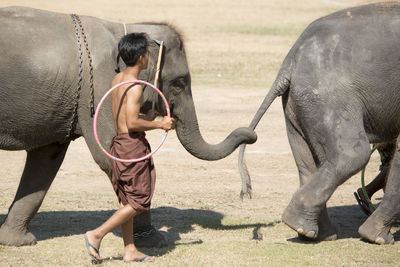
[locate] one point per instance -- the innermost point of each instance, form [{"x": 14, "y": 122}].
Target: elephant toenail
[
  {"x": 380, "y": 241},
  {"x": 311, "y": 234}
]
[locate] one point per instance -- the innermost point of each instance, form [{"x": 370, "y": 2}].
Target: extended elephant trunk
[{"x": 189, "y": 135}]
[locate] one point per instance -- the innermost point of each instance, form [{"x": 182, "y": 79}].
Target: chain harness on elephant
[{"x": 79, "y": 31}]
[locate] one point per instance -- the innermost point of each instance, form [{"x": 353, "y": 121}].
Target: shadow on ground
[
  {"x": 347, "y": 220},
  {"x": 48, "y": 225},
  {"x": 174, "y": 222},
  {"x": 183, "y": 221}
]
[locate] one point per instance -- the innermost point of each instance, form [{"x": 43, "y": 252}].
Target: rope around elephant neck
[
  {"x": 91, "y": 103},
  {"x": 76, "y": 21},
  {"x": 72, "y": 125},
  {"x": 125, "y": 30},
  {"x": 157, "y": 75}
]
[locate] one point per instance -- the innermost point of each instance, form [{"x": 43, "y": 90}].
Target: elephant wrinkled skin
[
  {"x": 340, "y": 87},
  {"x": 39, "y": 73}
]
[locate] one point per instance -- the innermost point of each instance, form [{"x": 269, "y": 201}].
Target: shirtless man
[{"x": 132, "y": 182}]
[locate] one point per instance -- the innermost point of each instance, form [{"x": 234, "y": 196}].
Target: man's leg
[
  {"x": 130, "y": 251},
  {"x": 121, "y": 216}
]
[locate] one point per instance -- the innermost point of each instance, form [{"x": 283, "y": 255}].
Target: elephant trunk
[{"x": 187, "y": 129}]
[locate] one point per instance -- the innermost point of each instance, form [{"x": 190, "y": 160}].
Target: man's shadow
[
  {"x": 175, "y": 222},
  {"x": 172, "y": 221}
]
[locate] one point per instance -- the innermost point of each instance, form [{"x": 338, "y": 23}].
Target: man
[{"x": 132, "y": 182}]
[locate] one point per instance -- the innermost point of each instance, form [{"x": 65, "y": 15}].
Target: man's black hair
[{"x": 131, "y": 47}]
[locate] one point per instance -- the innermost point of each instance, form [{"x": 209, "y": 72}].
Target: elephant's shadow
[
  {"x": 172, "y": 221},
  {"x": 347, "y": 219}
]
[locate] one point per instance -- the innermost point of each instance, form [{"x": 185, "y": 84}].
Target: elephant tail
[{"x": 280, "y": 86}]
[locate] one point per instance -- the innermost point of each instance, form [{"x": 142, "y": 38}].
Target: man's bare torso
[{"x": 119, "y": 101}]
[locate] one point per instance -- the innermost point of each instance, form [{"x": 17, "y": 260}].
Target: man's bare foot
[
  {"x": 93, "y": 240},
  {"x": 135, "y": 255}
]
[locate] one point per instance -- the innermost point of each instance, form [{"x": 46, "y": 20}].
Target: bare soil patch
[{"x": 234, "y": 49}]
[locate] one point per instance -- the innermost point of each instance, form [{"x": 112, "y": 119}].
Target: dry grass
[{"x": 234, "y": 49}]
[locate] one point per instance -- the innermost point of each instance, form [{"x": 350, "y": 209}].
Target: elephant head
[{"x": 175, "y": 83}]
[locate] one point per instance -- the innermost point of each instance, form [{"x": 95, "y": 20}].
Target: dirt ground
[{"x": 234, "y": 50}]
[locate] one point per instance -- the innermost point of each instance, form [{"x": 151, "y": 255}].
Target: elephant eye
[{"x": 179, "y": 84}]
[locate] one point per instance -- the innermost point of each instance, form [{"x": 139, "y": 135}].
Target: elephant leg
[
  {"x": 40, "y": 169},
  {"x": 377, "y": 227},
  {"x": 145, "y": 235},
  {"x": 345, "y": 150},
  {"x": 307, "y": 166}
]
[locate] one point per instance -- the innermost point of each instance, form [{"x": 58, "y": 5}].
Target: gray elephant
[
  {"x": 46, "y": 96},
  {"x": 340, "y": 87}
]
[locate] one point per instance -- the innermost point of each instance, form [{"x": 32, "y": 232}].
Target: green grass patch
[{"x": 265, "y": 30}]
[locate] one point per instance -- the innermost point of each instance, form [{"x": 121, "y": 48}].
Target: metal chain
[
  {"x": 91, "y": 103},
  {"x": 78, "y": 91},
  {"x": 145, "y": 234}
]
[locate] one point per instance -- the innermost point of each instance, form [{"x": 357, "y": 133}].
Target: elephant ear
[
  {"x": 118, "y": 69},
  {"x": 151, "y": 97},
  {"x": 149, "y": 73}
]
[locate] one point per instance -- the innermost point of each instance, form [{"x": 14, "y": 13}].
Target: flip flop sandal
[
  {"x": 88, "y": 244},
  {"x": 142, "y": 259}
]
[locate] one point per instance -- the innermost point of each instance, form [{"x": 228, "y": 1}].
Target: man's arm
[
  {"x": 149, "y": 116},
  {"x": 133, "y": 120}
]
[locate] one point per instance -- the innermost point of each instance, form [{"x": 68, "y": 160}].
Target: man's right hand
[{"x": 166, "y": 123}]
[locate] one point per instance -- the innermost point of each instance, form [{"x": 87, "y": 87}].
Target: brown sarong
[{"x": 133, "y": 182}]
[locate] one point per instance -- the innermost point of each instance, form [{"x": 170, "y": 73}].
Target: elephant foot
[
  {"x": 323, "y": 235},
  {"x": 11, "y": 237},
  {"x": 376, "y": 231},
  {"x": 327, "y": 236},
  {"x": 304, "y": 222},
  {"x": 319, "y": 238},
  {"x": 150, "y": 239}
]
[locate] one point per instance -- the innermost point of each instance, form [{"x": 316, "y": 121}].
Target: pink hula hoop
[{"x": 97, "y": 113}]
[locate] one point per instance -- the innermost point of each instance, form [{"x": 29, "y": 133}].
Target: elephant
[
  {"x": 339, "y": 85},
  {"x": 49, "y": 86}
]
